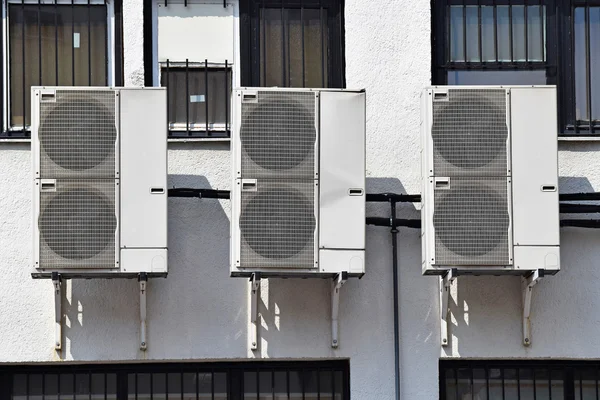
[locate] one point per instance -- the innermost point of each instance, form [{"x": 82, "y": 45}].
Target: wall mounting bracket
[
  {"x": 143, "y": 280},
  {"x": 338, "y": 282},
  {"x": 445, "y": 284},
  {"x": 57, "y": 283},
  {"x": 527, "y": 284},
  {"x": 254, "y": 317}
]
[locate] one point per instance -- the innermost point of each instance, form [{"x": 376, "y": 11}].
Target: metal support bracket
[
  {"x": 143, "y": 280},
  {"x": 254, "y": 320},
  {"x": 527, "y": 284},
  {"x": 445, "y": 284},
  {"x": 57, "y": 283},
  {"x": 336, "y": 286}
]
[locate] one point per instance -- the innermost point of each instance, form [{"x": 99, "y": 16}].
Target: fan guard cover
[
  {"x": 472, "y": 221},
  {"x": 77, "y": 225},
  {"x": 77, "y": 135},
  {"x": 470, "y": 133},
  {"x": 278, "y": 135},
  {"x": 277, "y": 225}
]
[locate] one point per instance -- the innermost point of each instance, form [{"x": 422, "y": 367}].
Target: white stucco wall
[{"x": 198, "y": 312}]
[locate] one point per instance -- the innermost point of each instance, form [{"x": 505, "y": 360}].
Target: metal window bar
[
  {"x": 20, "y": 11},
  {"x": 193, "y": 129}
]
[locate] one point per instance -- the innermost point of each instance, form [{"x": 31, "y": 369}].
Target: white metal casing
[
  {"x": 139, "y": 179},
  {"x": 531, "y": 181},
  {"x": 339, "y": 183}
]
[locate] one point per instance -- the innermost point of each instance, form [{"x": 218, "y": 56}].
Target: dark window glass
[
  {"x": 587, "y": 58},
  {"x": 292, "y": 44},
  {"x": 67, "y": 386},
  {"x": 189, "y": 100},
  {"x": 54, "y": 45}
]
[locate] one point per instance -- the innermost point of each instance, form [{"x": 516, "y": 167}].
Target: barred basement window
[
  {"x": 272, "y": 380},
  {"x": 292, "y": 43},
  {"x": 199, "y": 96},
  {"x": 525, "y": 379},
  {"x": 66, "y": 43}
]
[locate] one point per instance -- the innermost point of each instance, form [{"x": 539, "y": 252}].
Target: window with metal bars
[
  {"x": 292, "y": 43},
  {"x": 199, "y": 96},
  {"x": 314, "y": 380},
  {"x": 528, "y": 380},
  {"x": 491, "y": 42},
  {"x": 56, "y": 43}
]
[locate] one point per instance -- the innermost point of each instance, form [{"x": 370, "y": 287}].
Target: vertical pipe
[
  {"x": 206, "y": 94},
  {"x": 395, "y": 281},
  {"x": 227, "y": 98}
]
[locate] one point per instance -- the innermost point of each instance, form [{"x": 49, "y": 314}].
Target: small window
[
  {"x": 288, "y": 43},
  {"x": 199, "y": 96},
  {"x": 53, "y": 45}
]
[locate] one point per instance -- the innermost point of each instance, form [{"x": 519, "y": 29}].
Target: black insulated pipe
[{"x": 396, "y": 282}]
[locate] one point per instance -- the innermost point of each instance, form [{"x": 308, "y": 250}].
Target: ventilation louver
[{"x": 77, "y": 224}]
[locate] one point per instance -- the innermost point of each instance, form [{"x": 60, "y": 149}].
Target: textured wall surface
[{"x": 198, "y": 312}]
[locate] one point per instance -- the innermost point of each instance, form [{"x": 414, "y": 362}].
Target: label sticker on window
[
  {"x": 197, "y": 98},
  {"x": 76, "y": 40}
]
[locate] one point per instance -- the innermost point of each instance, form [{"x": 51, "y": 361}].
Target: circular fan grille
[
  {"x": 78, "y": 134},
  {"x": 78, "y": 224},
  {"x": 469, "y": 131},
  {"x": 471, "y": 219},
  {"x": 278, "y": 134},
  {"x": 278, "y": 222}
]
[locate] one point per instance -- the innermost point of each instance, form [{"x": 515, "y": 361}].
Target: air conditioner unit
[
  {"x": 490, "y": 180},
  {"x": 100, "y": 181},
  {"x": 299, "y": 182}
]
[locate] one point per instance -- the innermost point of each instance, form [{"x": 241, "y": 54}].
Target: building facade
[{"x": 198, "y": 317}]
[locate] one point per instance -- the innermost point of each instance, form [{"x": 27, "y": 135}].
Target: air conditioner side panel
[
  {"x": 342, "y": 171},
  {"x": 143, "y": 168},
  {"x": 535, "y": 167}
]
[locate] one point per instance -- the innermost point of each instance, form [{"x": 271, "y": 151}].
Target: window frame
[
  {"x": 114, "y": 55},
  {"x": 559, "y": 53},
  {"x": 571, "y": 370},
  {"x": 250, "y": 37},
  {"x": 175, "y": 129},
  {"x": 234, "y": 372}
]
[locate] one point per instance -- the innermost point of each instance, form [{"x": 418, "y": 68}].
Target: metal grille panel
[
  {"x": 472, "y": 222},
  {"x": 470, "y": 133},
  {"x": 277, "y": 225},
  {"x": 77, "y": 225},
  {"x": 78, "y": 134},
  {"x": 278, "y": 134}
]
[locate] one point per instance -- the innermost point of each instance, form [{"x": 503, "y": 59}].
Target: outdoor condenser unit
[
  {"x": 299, "y": 182},
  {"x": 490, "y": 180},
  {"x": 100, "y": 181}
]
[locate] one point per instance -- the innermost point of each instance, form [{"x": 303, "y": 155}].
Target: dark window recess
[
  {"x": 52, "y": 45},
  {"x": 535, "y": 380},
  {"x": 326, "y": 380},
  {"x": 199, "y": 96},
  {"x": 292, "y": 43}
]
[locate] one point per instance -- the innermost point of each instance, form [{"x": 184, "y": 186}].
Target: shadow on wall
[{"x": 197, "y": 304}]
